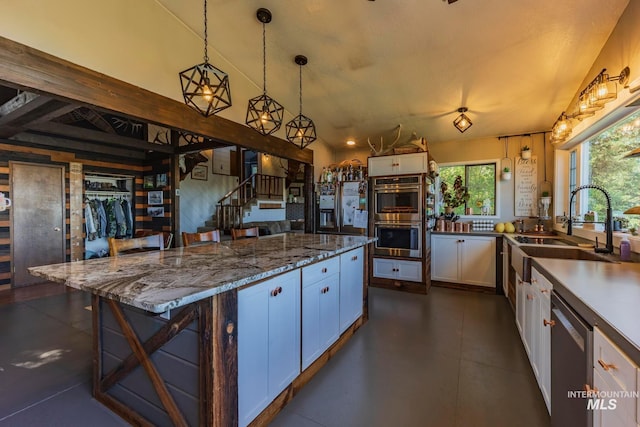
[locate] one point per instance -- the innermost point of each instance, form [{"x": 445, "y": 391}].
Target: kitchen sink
[
  {"x": 546, "y": 240},
  {"x": 521, "y": 257},
  {"x": 562, "y": 253}
]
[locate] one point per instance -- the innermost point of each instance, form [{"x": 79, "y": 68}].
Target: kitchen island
[{"x": 177, "y": 333}]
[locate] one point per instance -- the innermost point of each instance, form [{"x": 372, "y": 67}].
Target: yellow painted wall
[
  {"x": 494, "y": 148},
  {"x": 138, "y": 42}
]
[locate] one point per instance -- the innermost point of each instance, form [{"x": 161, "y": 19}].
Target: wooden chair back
[
  {"x": 136, "y": 244},
  {"x": 166, "y": 236},
  {"x": 240, "y": 233},
  {"x": 189, "y": 239}
]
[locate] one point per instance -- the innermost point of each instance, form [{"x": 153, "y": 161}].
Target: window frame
[{"x": 497, "y": 180}]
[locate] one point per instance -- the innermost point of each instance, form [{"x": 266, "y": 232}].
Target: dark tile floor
[{"x": 451, "y": 358}]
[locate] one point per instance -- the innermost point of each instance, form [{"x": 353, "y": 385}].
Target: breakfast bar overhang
[{"x": 166, "y": 324}]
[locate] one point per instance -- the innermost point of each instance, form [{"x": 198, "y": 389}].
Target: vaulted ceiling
[{"x": 376, "y": 64}]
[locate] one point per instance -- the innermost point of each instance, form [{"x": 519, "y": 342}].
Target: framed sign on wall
[{"x": 526, "y": 187}]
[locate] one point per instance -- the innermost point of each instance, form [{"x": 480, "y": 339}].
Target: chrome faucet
[{"x": 608, "y": 224}]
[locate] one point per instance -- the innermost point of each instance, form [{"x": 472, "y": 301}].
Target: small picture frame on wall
[
  {"x": 294, "y": 191},
  {"x": 200, "y": 172},
  {"x": 148, "y": 182},
  {"x": 161, "y": 180},
  {"x": 155, "y": 211},
  {"x": 155, "y": 198}
]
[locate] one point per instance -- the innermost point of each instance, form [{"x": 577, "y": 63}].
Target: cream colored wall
[
  {"x": 493, "y": 148},
  {"x": 621, "y": 49},
  {"x": 348, "y": 153},
  {"x": 138, "y": 42},
  {"x": 323, "y": 156}
]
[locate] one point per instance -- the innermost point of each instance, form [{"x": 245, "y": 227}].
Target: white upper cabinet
[{"x": 400, "y": 164}]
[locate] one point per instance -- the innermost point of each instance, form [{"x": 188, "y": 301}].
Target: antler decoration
[{"x": 382, "y": 149}]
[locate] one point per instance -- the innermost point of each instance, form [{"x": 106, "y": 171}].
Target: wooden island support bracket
[{"x": 214, "y": 322}]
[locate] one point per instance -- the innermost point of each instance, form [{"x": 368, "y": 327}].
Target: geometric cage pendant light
[
  {"x": 301, "y": 131},
  {"x": 462, "y": 122},
  {"x": 204, "y": 87},
  {"x": 264, "y": 114}
]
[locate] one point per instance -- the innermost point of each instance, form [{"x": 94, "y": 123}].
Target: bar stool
[
  {"x": 189, "y": 239},
  {"x": 240, "y": 233},
  {"x": 166, "y": 235},
  {"x": 136, "y": 244}
]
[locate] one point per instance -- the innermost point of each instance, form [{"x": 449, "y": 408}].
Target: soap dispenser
[{"x": 625, "y": 249}]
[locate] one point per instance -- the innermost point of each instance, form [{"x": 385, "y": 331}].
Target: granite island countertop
[
  {"x": 158, "y": 281},
  {"x": 606, "y": 295}
]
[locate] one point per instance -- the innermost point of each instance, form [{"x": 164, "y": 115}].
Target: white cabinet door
[
  {"x": 351, "y": 287},
  {"x": 413, "y": 163},
  {"x": 530, "y": 323},
  {"x": 382, "y": 165},
  {"x": 320, "y": 317},
  {"x": 540, "y": 345},
  {"x": 461, "y": 258},
  {"x": 520, "y": 298},
  {"x": 544, "y": 350},
  {"x": 253, "y": 351},
  {"x": 397, "y": 269},
  {"x": 284, "y": 333},
  {"x": 401, "y": 164},
  {"x": 409, "y": 270},
  {"x": 444, "y": 257},
  {"x": 384, "y": 268},
  {"x": 268, "y": 342},
  {"x": 478, "y": 260}
]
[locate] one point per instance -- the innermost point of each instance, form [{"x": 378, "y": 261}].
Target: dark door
[{"x": 38, "y": 217}]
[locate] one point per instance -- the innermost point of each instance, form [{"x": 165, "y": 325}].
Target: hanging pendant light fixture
[
  {"x": 301, "y": 130},
  {"x": 264, "y": 114},
  {"x": 204, "y": 87},
  {"x": 462, "y": 122}
]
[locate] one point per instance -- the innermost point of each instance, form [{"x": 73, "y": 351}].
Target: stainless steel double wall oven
[{"x": 398, "y": 215}]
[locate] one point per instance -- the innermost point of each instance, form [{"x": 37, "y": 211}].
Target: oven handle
[
  {"x": 398, "y": 224},
  {"x": 397, "y": 188}
]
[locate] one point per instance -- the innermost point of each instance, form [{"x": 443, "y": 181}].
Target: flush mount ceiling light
[
  {"x": 204, "y": 87},
  {"x": 264, "y": 114},
  {"x": 462, "y": 122},
  {"x": 301, "y": 130}
]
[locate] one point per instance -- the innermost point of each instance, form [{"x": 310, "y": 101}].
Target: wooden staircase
[{"x": 230, "y": 208}]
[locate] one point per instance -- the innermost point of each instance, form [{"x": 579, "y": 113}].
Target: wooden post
[{"x": 309, "y": 200}]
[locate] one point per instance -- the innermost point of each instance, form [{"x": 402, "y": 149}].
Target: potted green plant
[
  {"x": 525, "y": 153},
  {"x": 506, "y": 174},
  {"x": 455, "y": 197},
  {"x": 620, "y": 223}
]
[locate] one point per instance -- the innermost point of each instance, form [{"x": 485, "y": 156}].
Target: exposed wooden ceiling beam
[
  {"x": 59, "y": 78},
  {"x": 16, "y": 102},
  {"x": 78, "y": 146},
  {"x": 24, "y": 110},
  {"x": 78, "y": 133}
]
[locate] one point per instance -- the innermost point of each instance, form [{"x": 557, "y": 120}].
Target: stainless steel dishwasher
[{"x": 571, "y": 365}]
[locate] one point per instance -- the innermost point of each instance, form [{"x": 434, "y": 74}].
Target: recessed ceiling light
[{"x": 351, "y": 142}]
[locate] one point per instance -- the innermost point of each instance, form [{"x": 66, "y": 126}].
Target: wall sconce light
[
  {"x": 561, "y": 129},
  {"x": 602, "y": 89},
  {"x": 462, "y": 122},
  {"x": 204, "y": 87}
]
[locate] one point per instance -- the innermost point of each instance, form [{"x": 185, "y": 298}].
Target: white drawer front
[
  {"x": 617, "y": 371},
  {"x": 320, "y": 270}
]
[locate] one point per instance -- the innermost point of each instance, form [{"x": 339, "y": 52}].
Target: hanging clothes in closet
[{"x": 108, "y": 218}]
